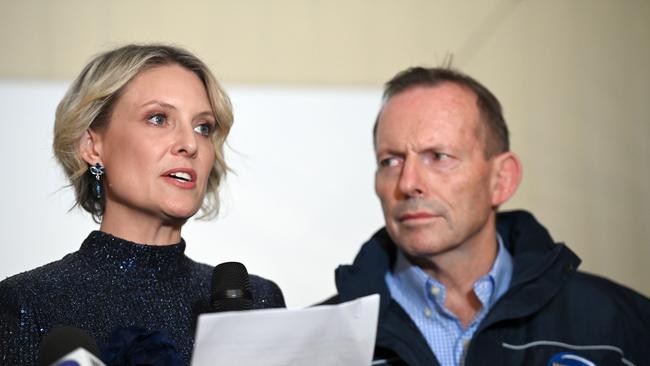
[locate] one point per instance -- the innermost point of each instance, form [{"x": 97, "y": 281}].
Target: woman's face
[{"x": 157, "y": 148}]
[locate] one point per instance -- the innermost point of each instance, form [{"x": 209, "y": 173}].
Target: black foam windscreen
[
  {"x": 62, "y": 340},
  {"x": 231, "y": 289}
]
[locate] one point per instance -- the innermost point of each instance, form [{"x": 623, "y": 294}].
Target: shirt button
[
  {"x": 435, "y": 291},
  {"x": 427, "y": 312}
]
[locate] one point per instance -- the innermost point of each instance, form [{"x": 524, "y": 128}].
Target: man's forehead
[
  {"x": 447, "y": 94},
  {"x": 447, "y": 105}
]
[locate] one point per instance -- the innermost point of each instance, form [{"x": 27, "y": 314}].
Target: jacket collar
[
  {"x": 540, "y": 266},
  {"x": 395, "y": 330},
  {"x": 366, "y": 275},
  {"x": 536, "y": 257}
]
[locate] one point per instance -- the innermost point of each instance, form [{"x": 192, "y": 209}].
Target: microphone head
[
  {"x": 60, "y": 341},
  {"x": 231, "y": 289}
]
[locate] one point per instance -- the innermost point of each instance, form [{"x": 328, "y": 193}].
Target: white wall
[{"x": 300, "y": 203}]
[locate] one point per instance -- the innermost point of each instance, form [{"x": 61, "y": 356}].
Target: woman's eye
[
  {"x": 204, "y": 129},
  {"x": 158, "y": 119}
]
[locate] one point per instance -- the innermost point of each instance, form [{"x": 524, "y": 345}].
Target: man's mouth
[{"x": 416, "y": 216}]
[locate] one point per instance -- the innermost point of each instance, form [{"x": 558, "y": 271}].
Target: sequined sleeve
[
  {"x": 266, "y": 293},
  {"x": 19, "y": 335}
]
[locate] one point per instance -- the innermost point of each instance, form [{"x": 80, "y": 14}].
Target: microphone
[
  {"x": 68, "y": 346},
  {"x": 231, "y": 289}
]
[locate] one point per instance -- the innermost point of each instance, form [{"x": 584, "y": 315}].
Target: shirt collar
[
  {"x": 413, "y": 280},
  {"x": 501, "y": 272}
]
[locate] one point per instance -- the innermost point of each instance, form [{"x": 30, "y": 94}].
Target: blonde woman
[{"x": 140, "y": 135}]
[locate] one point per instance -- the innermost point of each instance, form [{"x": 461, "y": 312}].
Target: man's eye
[
  {"x": 204, "y": 129},
  {"x": 441, "y": 156},
  {"x": 434, "y": 157},
  {"x": 389, "y": 162},
  {"x": 158, "y": 119}
]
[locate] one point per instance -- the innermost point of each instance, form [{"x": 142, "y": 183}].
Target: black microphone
[
  {"x": 68, "y": 344},
  {"x": 231, "y": 289}
]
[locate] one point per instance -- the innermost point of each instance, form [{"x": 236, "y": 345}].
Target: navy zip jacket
[{"x": 550, "y": 315}]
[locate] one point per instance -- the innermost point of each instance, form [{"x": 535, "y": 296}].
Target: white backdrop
[{"x": 301, "y": 200}]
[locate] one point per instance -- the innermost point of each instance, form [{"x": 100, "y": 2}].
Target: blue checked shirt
[{"x": 423, "y": 299}]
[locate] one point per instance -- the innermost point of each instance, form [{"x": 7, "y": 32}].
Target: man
[{"x": 461, "y": 284}]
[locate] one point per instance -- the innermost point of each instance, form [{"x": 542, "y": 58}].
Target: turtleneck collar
[{"x": 108, "y": 252}]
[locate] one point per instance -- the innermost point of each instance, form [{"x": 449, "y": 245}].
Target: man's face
[{"x": 433, "y": 178}]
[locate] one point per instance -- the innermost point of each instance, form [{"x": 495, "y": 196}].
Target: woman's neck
[{"x": 142, "y": 228}]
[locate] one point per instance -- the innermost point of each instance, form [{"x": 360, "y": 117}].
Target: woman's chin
[{"x": 180, "y": 214}]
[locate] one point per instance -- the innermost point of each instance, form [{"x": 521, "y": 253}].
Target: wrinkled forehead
[{"x": 448, "y": 110}]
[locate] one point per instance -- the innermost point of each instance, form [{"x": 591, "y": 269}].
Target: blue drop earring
[{"x": 97, "y": 170}]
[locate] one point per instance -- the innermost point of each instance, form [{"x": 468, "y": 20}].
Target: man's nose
[{"x": 411, "y": 180}]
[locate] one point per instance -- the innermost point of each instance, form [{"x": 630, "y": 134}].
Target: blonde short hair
[{"x": 89, "y": 102}]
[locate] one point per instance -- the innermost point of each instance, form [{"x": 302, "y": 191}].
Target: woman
[{"x": 140, "y": 135}]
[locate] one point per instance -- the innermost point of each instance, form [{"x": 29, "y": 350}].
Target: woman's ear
[
  {"x": 90, "y": 147},
  {"x": 506, "y": 176}
]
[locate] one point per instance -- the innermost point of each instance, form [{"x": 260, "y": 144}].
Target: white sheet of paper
[{"x": 342, "y": 335}]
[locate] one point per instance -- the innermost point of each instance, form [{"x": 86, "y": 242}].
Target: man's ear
[
  {"x": 506, "y": 176},
  {"x": 90, "y": 147}
]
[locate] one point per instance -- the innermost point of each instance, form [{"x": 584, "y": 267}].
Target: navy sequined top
[{"x": 110, "y": 283}]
